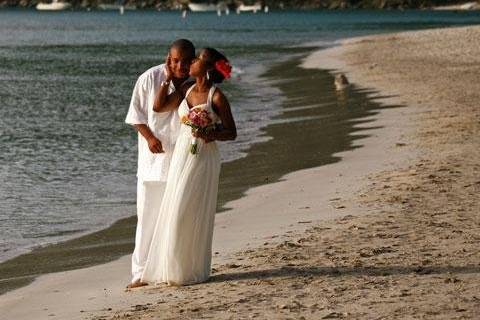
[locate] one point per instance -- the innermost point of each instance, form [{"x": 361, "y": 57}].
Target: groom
[{"x": 156, "y": 138}]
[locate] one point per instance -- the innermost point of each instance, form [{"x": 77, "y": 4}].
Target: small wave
[
  {"x": 318, "y": 43},
  {"x": 237, "y": 71},
  {"x": 58, "y": 233}
]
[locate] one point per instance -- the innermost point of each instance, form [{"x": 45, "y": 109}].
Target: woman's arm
[
  {"x": 164, "y": 101},
  {"x": 228, "y": 131},
  {"x": 167, "y": 102}
]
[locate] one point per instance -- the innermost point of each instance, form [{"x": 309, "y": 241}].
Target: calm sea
[{"x": 68, "y": 161}]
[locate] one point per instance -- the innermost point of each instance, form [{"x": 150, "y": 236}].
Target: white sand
[
  {"x": 267, "y": 212},
  {"x": 411, "y": 250}
]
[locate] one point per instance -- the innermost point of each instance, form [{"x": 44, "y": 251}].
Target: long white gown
[{"x": 181, "y": 249}]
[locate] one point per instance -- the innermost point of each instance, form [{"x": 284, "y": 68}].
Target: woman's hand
[
  {"x": 168, "y": 68},
  {"x": 207, "y": 137}
]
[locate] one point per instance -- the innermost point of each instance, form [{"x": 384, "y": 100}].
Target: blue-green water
[{"x": 67, "y": 160}]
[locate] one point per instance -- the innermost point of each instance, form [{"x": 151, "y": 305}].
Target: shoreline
[
  {"x": 229, "y": 229},
  {"x": 117, "y": 240},
  {"x": 78, "y": 251}
]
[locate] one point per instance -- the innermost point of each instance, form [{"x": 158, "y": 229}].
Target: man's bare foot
[{"x": 136, "y": 284}]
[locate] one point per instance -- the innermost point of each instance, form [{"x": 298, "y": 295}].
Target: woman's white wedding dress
[{"x": 181, "y": 249}]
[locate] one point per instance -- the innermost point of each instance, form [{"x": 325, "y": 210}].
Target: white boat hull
[
  {"x": 54, "y": 6},
  {"x": 252, "y": 8},
  {"x": 201, "y": 7}
]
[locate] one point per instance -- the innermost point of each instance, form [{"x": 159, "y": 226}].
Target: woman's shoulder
[{"x": 218, "y": 97}]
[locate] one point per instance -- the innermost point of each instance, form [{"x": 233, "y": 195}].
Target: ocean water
[{"x": 68, "y": 161}]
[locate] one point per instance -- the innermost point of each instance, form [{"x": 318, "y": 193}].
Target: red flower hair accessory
[{"x": 224, "y": 68}]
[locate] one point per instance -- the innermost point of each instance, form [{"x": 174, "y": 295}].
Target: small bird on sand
[{"x": 341, "y": 81}]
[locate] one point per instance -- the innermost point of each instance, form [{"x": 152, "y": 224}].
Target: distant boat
[
  {"x": 463, "y": 6},
  {"x": 116, "y": 7},
  {"x": 202, "y": 7},
  {"x": 251, "y": 8},
  {"x": 54, "y": 6}
]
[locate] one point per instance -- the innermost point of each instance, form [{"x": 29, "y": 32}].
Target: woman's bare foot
[{"x": 137, "y": 283}]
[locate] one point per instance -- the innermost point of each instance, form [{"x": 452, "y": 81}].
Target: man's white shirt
[{"x": 164, "y": 125}]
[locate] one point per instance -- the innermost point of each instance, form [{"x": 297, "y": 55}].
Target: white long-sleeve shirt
[{"x": 164, "y": 125}]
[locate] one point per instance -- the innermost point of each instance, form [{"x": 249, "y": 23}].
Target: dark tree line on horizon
[{"x": 273, "y": 4}]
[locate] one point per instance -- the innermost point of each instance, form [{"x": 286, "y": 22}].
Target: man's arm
[
  {"x": 138, "y": 115},
  {"x": 166, "y": 102},
  {"x": 154, "y": 144}
]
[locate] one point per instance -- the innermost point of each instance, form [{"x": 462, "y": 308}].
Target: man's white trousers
[{"x": 149, "y": 199}]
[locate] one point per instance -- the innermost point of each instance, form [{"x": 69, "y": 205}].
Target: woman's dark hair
[{"x": 213, "y": 56}]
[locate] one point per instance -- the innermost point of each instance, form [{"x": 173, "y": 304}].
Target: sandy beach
[{"x": 389, "y": 232}]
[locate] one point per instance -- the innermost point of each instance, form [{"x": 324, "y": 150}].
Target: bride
[{"x": 181, "y": 249}]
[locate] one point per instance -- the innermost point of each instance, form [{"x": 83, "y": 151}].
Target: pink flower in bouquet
[{"x": 199, "y": 120}]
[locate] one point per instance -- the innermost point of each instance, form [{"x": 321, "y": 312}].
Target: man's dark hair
[{"x": 185, "y": 46}]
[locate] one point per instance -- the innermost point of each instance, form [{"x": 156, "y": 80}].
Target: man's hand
[{"x": 155, "y": 145}]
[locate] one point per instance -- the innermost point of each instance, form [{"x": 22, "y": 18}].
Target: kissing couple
[{"x": 179, "y": 114}]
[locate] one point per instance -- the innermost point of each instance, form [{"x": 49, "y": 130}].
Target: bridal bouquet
[{"x": 199, "y": 120}]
